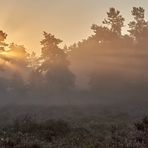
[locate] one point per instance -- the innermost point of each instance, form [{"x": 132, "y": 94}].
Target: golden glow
[
  {"x": 10, "y": 55},
  {"x": 6, "y": 59}
]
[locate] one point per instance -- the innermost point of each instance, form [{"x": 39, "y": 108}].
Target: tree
[
  {"x": 54, "y": 64},
  {"x": 112, "y": 29},
  {"x": 138, "y": 27},
  {"x": 102, "y": 34},
  {"x": 33, "y": 61},
  {"x": 2, "y": 48},
  {"x": 3, "y": 36},
  {"x": 115, "y": 21}
]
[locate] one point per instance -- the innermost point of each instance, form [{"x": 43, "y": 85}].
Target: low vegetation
[{"x": 27, "y": 132}]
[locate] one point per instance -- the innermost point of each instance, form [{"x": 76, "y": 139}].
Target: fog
[
  {"x": 89, "y": 94},
  {"x": 106, "y": 68}
]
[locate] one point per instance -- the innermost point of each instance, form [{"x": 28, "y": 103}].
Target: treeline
[
  {"x": 115, "y": 62},
  {"x": 23, "y": 73}
]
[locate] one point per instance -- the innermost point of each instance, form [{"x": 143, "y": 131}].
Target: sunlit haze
[
  {"x": 73, "y": 73},
  {"x": 70, "y": 20}
]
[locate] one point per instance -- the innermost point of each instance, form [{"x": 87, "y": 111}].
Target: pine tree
[
  {"x": 115, "y": 21},
  {"x": 139, "y": 27},
  {"x": 55, "y": 64}
]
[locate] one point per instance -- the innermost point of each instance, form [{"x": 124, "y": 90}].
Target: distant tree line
[
  {"x": 23, "y": 74},
  {"x": 118, "y": 60}
]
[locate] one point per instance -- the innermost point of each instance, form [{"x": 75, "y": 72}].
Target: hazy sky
[{"x": 69, "y": 20}]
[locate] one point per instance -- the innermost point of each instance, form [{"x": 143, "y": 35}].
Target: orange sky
[{"x": 69, "y": 20}]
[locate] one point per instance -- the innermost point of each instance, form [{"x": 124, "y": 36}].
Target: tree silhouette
[
  {"x": 114, "y": 20},
  {"x": 103, "y": 34},
  {"x": 55, "y": 64},
  {"x": 139, "y": 27},
  {"x": 3, "y": 36}
]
